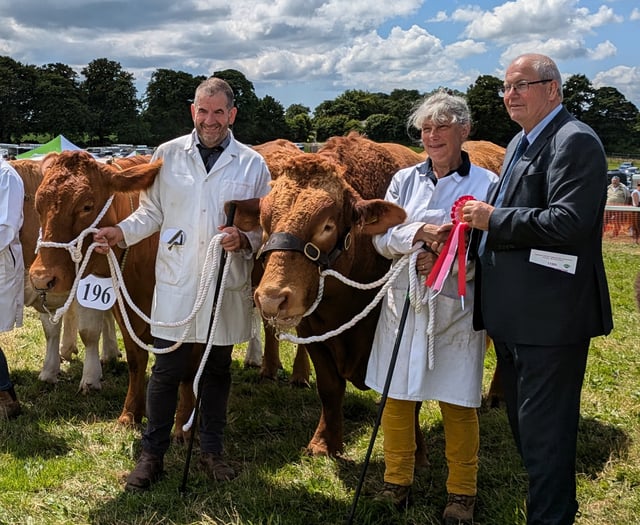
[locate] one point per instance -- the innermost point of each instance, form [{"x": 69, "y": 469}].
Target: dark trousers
[
  {"x": 5, "y": 380},
  {"x": 542, "y": 386},
  {"x": 162, "y": 396}
]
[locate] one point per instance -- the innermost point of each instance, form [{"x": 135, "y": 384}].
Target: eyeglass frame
[{"x": 522, "y": 86}]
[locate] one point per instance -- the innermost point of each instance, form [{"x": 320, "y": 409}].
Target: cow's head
[
  {"x": 74, "y": 189},
  {"x": 312, "y": 219}
]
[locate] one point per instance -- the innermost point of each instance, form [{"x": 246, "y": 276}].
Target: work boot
[
  {"x": 459, "y": 510},
  {"x": 149, "y": 469},
  {"x": 216, "y": 467},
  {"x": 397, "y": 495},
  {"x": 9, "y": 404}
]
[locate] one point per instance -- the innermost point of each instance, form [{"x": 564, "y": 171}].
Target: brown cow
[
  {"x": 326, "y": 207},
  {"x": 73, "y": 191},
  {"x": 93, "y": 323},
  {"x": 331, "y": 199}
]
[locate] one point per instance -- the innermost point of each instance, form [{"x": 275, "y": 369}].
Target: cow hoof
[
  {"x": 87, "y": 386},
  {"x": 127, "y": 419},
  {"x": 47, "y": 377},
  {"x": 67, "y": 353},
  {"x": 299, "y": 382}
]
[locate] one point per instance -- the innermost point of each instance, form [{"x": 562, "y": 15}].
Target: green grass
[{"x": 63, "y": 461}]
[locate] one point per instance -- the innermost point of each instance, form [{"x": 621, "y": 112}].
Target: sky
[{"x": 309, "y": 51}]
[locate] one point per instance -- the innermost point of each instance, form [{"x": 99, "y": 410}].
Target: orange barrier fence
[{"x": 622, "y": 222}]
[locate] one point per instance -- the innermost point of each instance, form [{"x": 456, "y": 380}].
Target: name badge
[
  {"x": 557, "y": 261},
  {"x": 96, "y": 292}
]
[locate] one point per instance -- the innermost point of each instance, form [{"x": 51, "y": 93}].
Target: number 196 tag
[{"x": 96, "y": 292}]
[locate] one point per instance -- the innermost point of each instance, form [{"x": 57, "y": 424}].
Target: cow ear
[
  {"x": 46, "y": 162},
  {"x": 377, "y": 216},
  {"x": 135, "y": 178},
  {"x": 247, "y": 213}
]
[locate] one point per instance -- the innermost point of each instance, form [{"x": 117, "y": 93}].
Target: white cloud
[
  {"x": 635, "y": 14},
  {"x": 625, "y": 78},
  {"x": 602, "y": 50}
]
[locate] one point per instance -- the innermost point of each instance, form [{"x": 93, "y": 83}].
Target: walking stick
[
  {"x": 216, "y": 294},
  {"x": 383, "y": 401}
]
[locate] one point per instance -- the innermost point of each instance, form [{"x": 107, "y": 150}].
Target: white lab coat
[
  {"x": 185, "y": 197},
  {"x": 11, "y": 261},
  {"x": 456, "y": 376}
]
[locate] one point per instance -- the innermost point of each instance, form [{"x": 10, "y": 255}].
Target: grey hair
[
  {"x": 441, "y": 108},
  {"x": 544, "y": 68},
  {"x": 212, "y": 86}
]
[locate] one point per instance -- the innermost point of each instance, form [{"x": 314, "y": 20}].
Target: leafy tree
[
  {"x": 167, "y": 104},
  {"x": 16, "y": 98},
  {"x": 111, "y": 100},
  {"x": 270, "y": 120},
  {"x": 578, "y": 95},
  {"x": 301, "y": 127},
  {"x": 245, "y": 128},
  {"x": 613, "y": 118},
  {"x": 490, "y": 118},
  {"x": 58, "y": 103},
  {"x": 296, "y": 109},
  {"x": 331, "y": 126},
  {"x": 382, "y": 127}
]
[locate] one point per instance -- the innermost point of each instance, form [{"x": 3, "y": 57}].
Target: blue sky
[{"x": 308, "y": 51}]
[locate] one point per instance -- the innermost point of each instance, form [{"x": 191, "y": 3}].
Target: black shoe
[{"x": 148, "y": 470}]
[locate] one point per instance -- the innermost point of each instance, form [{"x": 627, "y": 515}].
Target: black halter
[{"x": 282, "y": 241}]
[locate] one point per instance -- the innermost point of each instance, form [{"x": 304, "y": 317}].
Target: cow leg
[
  {"x": 328, "y": 437},
  {"x": 186, "y": 398},
  {"x": 421, "y": 445},
  {"x": 253, "y": 355},
  {"x": 110, "y": 350},
  {"x": 90, "y": 327},
  {"x": 69, "y": 345},
  {"x": 271, "y": 361},
  {"x": 301, "y": 368},
  {"x": 51, "y": 366}
]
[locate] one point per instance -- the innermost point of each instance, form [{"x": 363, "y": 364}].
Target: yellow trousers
[{"x": 462, "y": 442}]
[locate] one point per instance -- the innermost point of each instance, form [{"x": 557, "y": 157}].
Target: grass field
[{"x": 64, "y": 459}]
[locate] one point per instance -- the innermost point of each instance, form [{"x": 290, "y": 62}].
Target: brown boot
[
  {"x": 148, "y": 470},
  {"x": 459, "y": 510},
  {"x": 397, "y": 495},
  {"x": 216, "y": 467},
  {"x": 9, "y": 404}
]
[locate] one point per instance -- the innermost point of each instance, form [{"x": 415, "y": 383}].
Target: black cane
[
  {"x": 383, "y": 401},
  {"x": 216, "y": 294}
]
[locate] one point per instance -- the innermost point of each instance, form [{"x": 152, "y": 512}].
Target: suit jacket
[{"x": 554, "y": 202}]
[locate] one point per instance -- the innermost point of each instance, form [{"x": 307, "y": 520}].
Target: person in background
[
  {"x": 541, "y": 287},
  {"x": 200, "y": 172},
  {"x": 635, "y": 220},
  {"x": 12, "y": 275},
  {"x": 428, "y": 192},
  {"x": 617, "y": 195}
]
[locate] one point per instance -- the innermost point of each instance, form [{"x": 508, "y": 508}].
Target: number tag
[{"x": 96, "y": 292}]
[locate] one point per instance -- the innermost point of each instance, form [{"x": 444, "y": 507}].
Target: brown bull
[
  {"x": 90, "y": 324},
  {"x": 74, "y": 189},
  {"x": 332, "y": 200}
]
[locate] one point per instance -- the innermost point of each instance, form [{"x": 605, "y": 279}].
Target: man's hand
[
  {"x": 234, "y": 240},
  {"x": 107, "y": 236},
  {"x": 476, "y": 214}
]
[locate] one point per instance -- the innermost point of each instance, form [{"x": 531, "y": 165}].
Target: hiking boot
[
  {"x": 459, "y": 510},
  {"x": 9, "y": 404},
  {"x": 149, "y": 469},
  {"x": 397, "y": 495},
  {"x": 216, "y": 467}
]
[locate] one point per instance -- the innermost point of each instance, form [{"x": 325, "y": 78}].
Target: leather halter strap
[{"x": 283, "y": 241}]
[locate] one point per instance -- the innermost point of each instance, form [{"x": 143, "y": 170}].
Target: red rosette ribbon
[{"x": 455, "y": 245}]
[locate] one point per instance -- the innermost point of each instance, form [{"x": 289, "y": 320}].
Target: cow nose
[{"x": 42, "y": 283}]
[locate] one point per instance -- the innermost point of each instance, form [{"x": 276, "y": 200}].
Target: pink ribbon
[{"x": 455, "y": 245}]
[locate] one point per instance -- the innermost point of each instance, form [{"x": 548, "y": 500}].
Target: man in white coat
[
  {"x": 200, "y": 172},
  {"x": 439, "y": 358},
  {"x": 12, "y": 275}
]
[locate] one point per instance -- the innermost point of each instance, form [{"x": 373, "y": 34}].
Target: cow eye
[{"x": 87, "y": 208}]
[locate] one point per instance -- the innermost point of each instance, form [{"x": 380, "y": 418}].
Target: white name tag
[
  {"x": 557, "y": 261},
  {"x": 96, "y": 292}
]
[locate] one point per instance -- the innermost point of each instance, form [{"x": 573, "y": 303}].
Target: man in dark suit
[{"x": 541, "y": 288}]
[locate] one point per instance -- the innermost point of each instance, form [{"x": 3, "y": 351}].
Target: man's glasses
[{"x": 520, "y": 87}]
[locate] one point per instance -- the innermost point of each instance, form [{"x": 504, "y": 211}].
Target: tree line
[{"x": 99, "y": 107}]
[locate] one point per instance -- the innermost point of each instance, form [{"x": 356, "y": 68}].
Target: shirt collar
[
  {"x": 463, "y": 170},
  {"x": 537, "y": 129}
]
